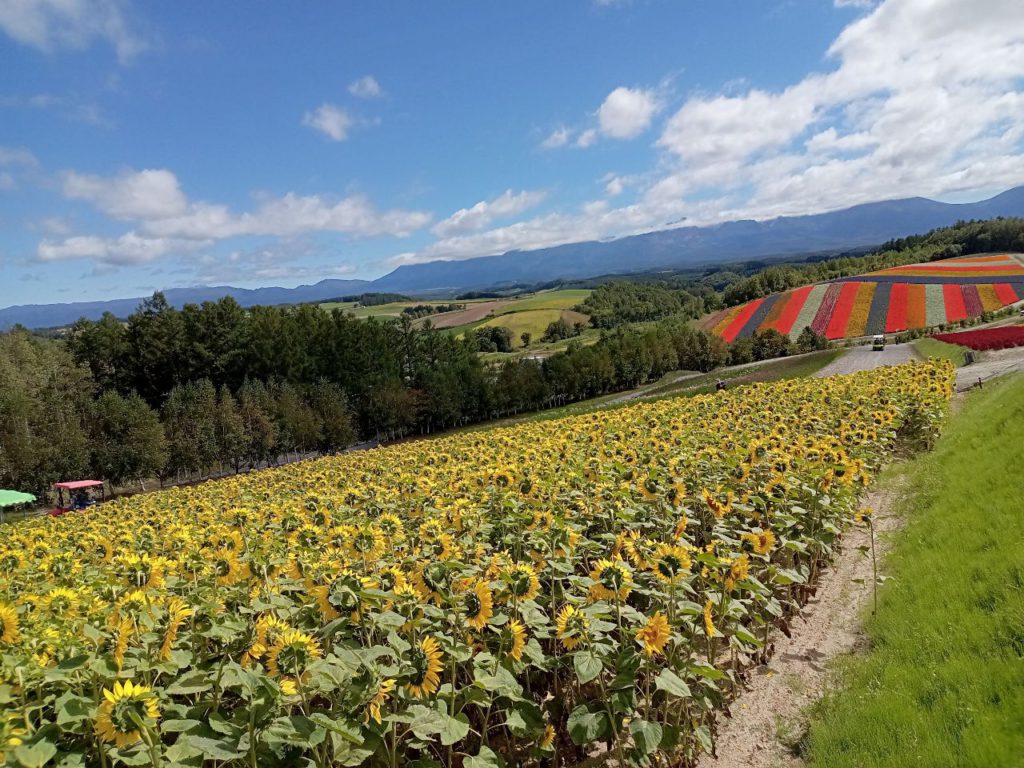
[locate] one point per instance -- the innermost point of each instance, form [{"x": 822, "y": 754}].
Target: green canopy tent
[{"x": 13, "y": 499}]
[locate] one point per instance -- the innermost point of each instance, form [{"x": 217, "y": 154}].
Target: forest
[{"x": 175, "y": 394}]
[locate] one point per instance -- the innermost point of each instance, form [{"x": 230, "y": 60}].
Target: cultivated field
[
  {"x": 888, "y": 301},
  {"x": 554, "y": 588}
]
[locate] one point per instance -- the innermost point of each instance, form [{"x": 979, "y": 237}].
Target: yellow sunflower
[
  {"x": 127, "y": 705},
  {"x": 762, "y": 543},
  {"x": 291, "y": 656},
  {"x": 383, "y": 693},
  {"x": 177, "y": 612},
  {"x": 517, "y": 635},
  {"x": 427, "y": 661},
  {"x": 521, "y": 581},
  {"x": 709, "y": 623},
  {"x": 738, "y": 571},
  {"x": 547, "y": 741},
  {"x": 478, "y": 605},
  {"x": 613, "y": 580},
  {"x": 654, "y": 635},
  {"x": 671, "y": 563},
  {"x": 8, "y": 624},
  {"x": 571, "y": 627}
]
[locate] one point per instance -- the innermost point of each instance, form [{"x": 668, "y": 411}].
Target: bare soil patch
[{"x": 470, "y": 314}]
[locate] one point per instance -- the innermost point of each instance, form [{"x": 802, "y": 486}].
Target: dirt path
[
  {"x": 864, "y": 359},
  {"x": 992, "y": 364},
  {"x": 767, "y": 721}
]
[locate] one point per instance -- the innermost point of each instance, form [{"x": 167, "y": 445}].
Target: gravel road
[
  {"x": 991, "y": 365},
  {"x": 864, "y": 359}
]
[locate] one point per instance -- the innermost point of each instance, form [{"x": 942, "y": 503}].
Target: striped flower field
[{"x": 887, "y": 301}]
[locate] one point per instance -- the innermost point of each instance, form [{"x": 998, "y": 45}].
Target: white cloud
[
  {"x": 7, "y": 182},
  {"x": 52, "y": 25},
  {"x": 17, "y": 156},
  {"x": 485, "y": 212},
  {"x": 128, "y": 249},
  {"x": 273, "y": 262},
  {"x": 586, "y": 138},
  {"x": 334, "y": 122},
  {"x": 288, "y": 216},
  {"x": 557, "y": 138},
  {"x": 627, "y": 112},
  {"x": 147, "y": 194},
  {"x": 926, "y": 97},
  {"x": 614, "y": 186},
  {"x": 366, "y": 88}
]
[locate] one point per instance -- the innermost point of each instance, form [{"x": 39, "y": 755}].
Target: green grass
[
  {"x": 943, "y": 682},
  {"x": 934, "y": 348},
  {"x": 566, "y": 298}
]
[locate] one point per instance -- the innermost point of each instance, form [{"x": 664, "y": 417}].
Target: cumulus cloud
[
  {"x": 923, "y": 97},
  {"x": 275, "y": 261},
  {"x": 586, "y": 138},
  {"x": 52, "y": 25},
  {"x": 557, "y": 138},
  {"x": 128, "y": 249},
  {"x": 147, "y": 194},
  {"x": 333, "y": 122},
  {"x": 17, "y": 156},
  {"x": 366, "y": 88},
  {"x": 627, "y": 112},
  {"x": 485, "y": 212},
  {"x": 167, "y": 221}
]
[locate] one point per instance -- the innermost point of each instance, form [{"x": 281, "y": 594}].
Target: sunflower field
[{"x": 589, "y": 587}]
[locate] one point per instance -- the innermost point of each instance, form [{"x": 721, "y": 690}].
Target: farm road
[
  {"x": 991, "y": 365},
  {"x": 864, "y": 359}
]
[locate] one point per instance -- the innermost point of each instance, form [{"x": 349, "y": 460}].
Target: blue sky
[{"x": 155, "y": 145}]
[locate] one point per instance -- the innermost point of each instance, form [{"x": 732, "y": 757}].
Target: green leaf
[
  {"x": 74, "y": 662},
  {"x": 704, "y": 737},
  {"x": 670, "y": 682},
  {"x": 426, "y": 722},
  {"x": 297, "y": 730},
  {"x": 708, "y": 673},
  {"x": 211, "y": 748},
  {"x": 72, "y": 709},
  {"x": 646, "y": 735},
  {"x": 502, "y": 683},
  {"x": 189, "y": 683},
  {"x": 588, "y": 666},
  {"x": 586, "y": 727},
  {"x": 486, "y": 759},
  {"x": 35, "y": 755},
  {"x": 454, "y": 729}
]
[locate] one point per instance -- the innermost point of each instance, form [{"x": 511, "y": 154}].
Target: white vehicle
[{"x": 878, "y": 343}]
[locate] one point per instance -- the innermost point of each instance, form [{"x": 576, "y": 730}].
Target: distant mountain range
[{"x": 862, "y": 225}]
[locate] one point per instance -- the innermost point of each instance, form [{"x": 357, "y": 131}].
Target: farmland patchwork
[{"x": 887, "y": 301}]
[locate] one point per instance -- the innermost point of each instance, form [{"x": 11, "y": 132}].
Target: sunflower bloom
[
  {"x": 385, "y": 688},
  {"x": 547, "y": 742},
  {"x": 762, "y": 543},
  {"x": 8, "y": 624},
  {"x": 671, "y": 563},
  {"x": 613, "y": 580},
  {"x": 654, "y": 635},
  {"x": 177, "y": 612},
  {"x": 709, "y": 623},
  {"x": 478, "y": 604},
  {"x": 291, "y": 656},
  {"x": 427, "y": 663},
  {"x": 522, "y": 581},
  {"x": 116, "y": 719},
  {"x": 517, "y": 631},
  {"x": 571, "y": 627}
]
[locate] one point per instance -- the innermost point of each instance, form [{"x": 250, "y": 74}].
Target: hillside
[
  {"x": 859, "y": 226},
  {"x": 887, "y": 301}
]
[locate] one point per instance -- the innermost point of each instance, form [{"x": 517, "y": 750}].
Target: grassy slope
[
  {"x": 934, "y": 348},
  {"x": 943, "y": 683}
]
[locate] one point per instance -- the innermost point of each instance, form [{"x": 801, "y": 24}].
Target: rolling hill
[{"x": 888, "y": 301}]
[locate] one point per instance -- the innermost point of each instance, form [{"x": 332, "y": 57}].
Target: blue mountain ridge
[{"x": 688, "y": 246}]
